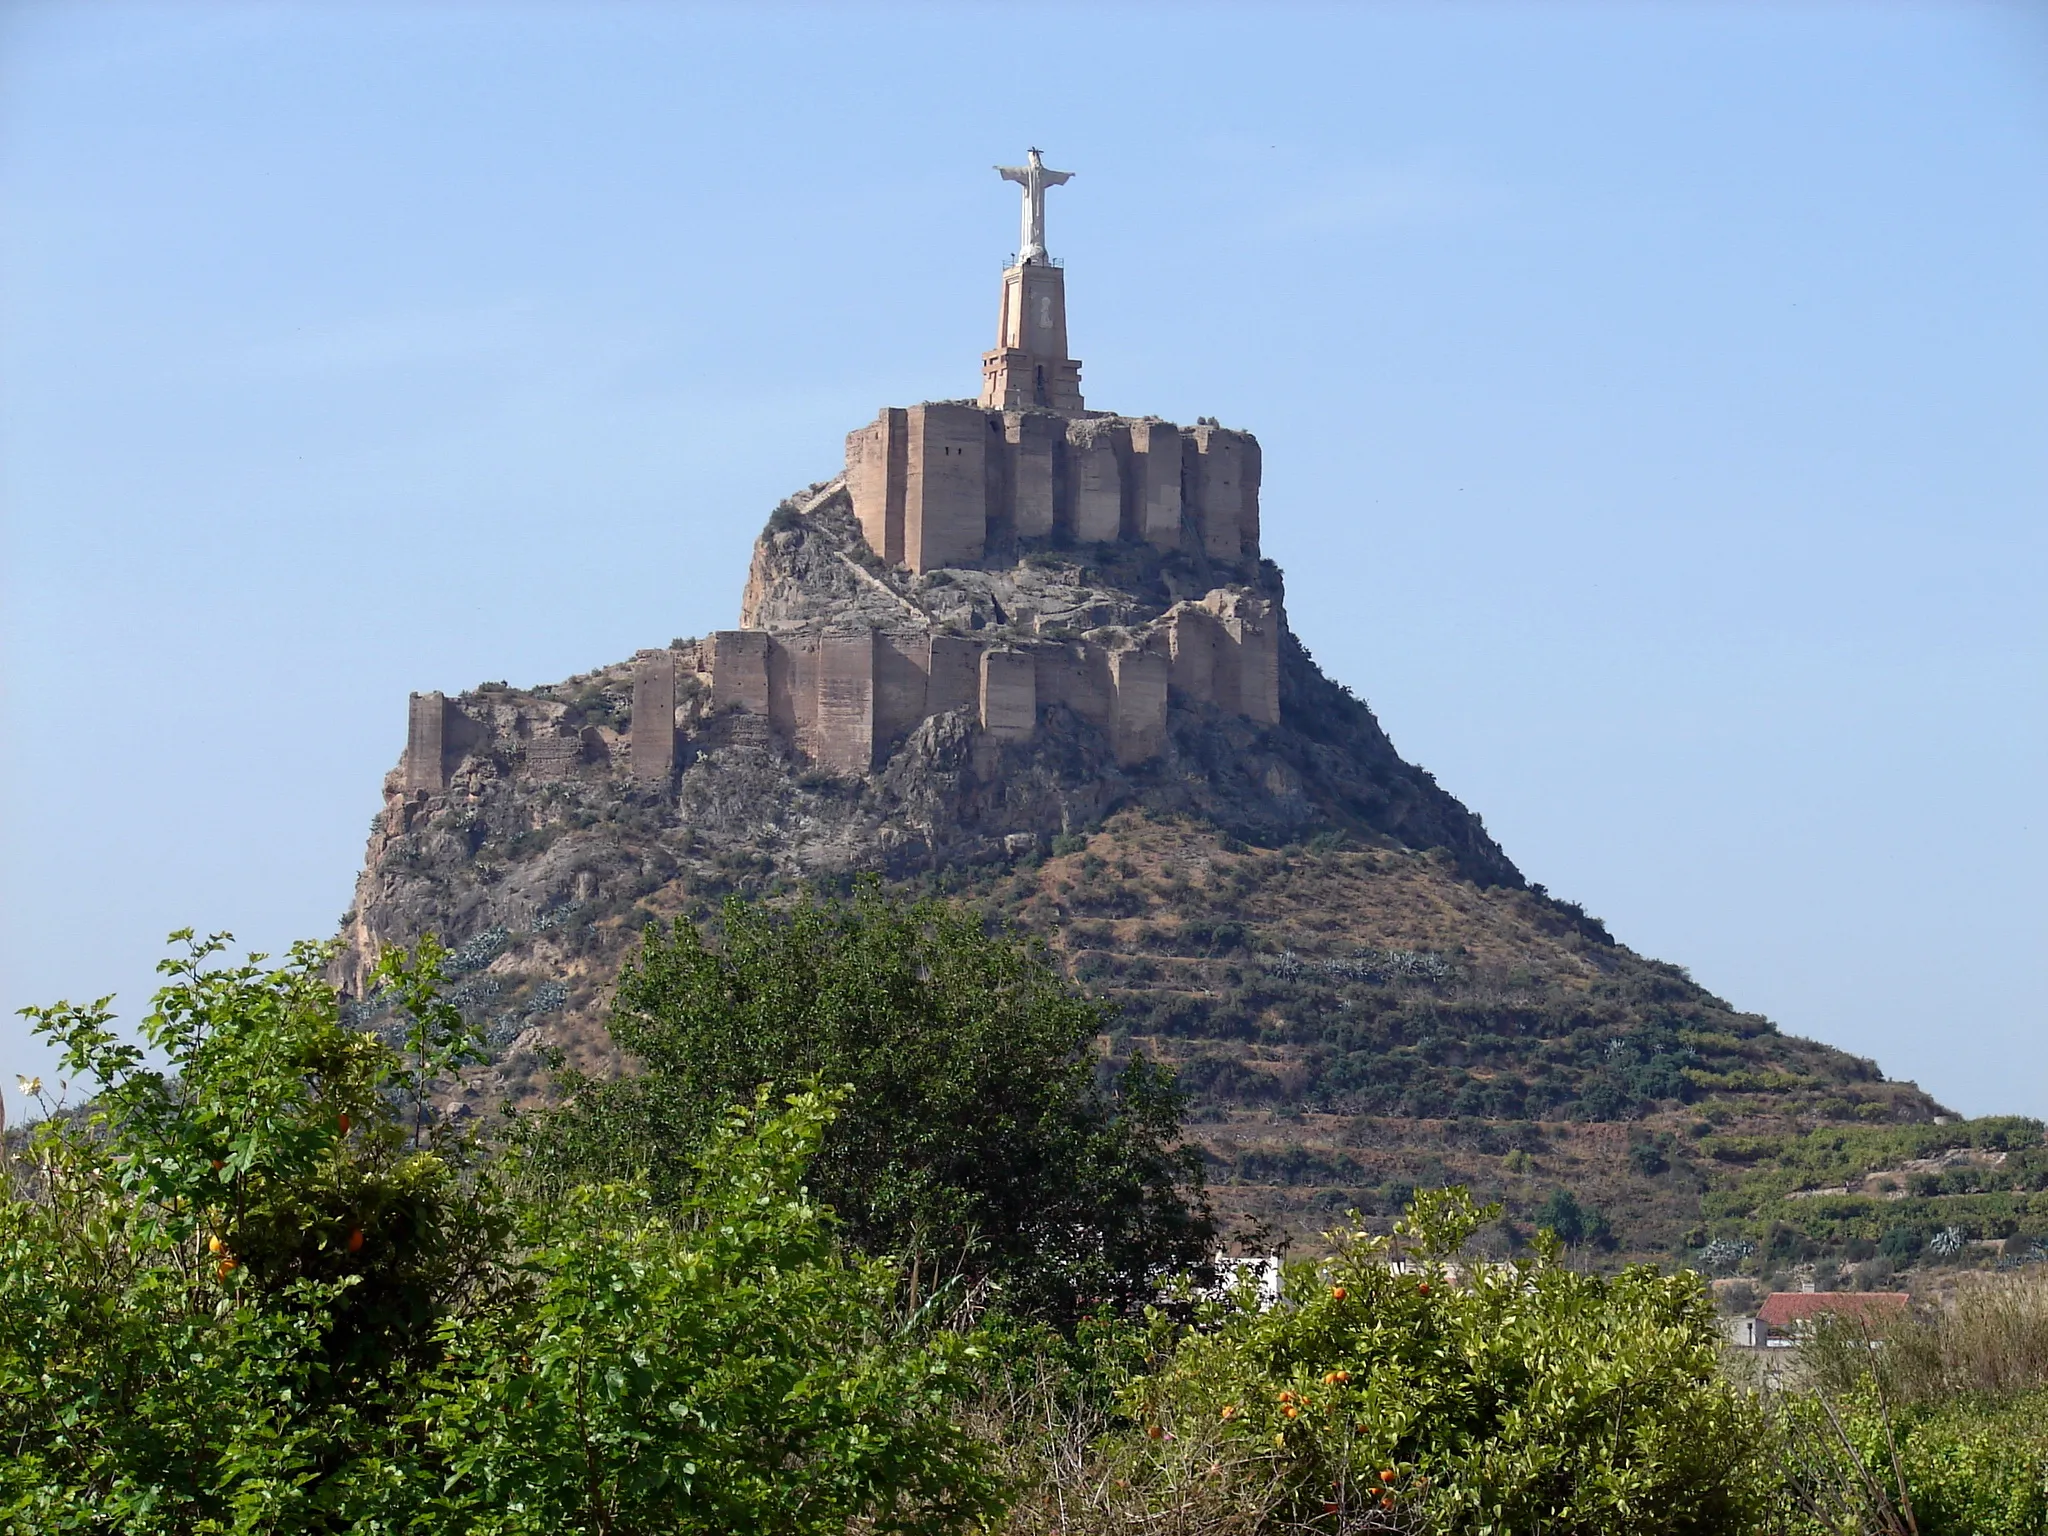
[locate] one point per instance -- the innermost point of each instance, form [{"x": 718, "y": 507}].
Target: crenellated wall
[
  {"x": 846, "y": 698},
  {"x": 930, "y": 482}
]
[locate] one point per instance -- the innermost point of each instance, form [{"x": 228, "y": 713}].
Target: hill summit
[{"x": 1030, "y": 654}]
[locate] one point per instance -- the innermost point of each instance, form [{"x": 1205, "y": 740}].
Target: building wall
[
  {"x": 1031, "y": 439},
  {"x": 846, "y": 702},
  {"x": 1139, "y": 679},
  {"x": 932, "y": 484},
  {"x": 877, "y": 466},
  {"x": 945, "y": 500},
  {"x": 654, "y": 717},
  {"x": 1009, "y": 695},
  {"x": 739, "y": 670},
  {"x": 1096, "y": 478}
]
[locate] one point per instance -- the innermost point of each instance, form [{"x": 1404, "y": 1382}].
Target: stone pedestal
[{"x": 1029, "y": 367}]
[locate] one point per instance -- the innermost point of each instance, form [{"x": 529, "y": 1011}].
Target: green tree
[
  {"x": 974, "y": 1139},
  {"x": 217, "y": 1281},
  {"x": 264, "y": 1289}
]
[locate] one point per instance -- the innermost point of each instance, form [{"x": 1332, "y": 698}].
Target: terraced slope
[{"x": 1360, "y": 990}]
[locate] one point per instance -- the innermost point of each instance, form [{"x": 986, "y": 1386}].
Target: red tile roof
[{"x": 1785, "y": 1309}]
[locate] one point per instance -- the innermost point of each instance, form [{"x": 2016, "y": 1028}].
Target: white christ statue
[{"x": 1034, "y": 178}]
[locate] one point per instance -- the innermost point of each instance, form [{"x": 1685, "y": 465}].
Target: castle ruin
[{"x": 956, "y": 486}]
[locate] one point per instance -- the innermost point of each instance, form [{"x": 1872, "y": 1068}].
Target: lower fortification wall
[{"x": 847, "y": 698}]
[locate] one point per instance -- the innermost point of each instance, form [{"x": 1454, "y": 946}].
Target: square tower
[{"x": 1029, "y": 368}]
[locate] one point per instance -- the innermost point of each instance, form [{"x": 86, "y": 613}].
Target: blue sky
[{"x": 1654, "y": 402}]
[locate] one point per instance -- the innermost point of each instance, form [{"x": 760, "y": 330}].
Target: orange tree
[{"x": 1500, "y": 1398}]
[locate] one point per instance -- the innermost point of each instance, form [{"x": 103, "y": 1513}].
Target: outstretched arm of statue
[{"x": 1020, "y": 174}]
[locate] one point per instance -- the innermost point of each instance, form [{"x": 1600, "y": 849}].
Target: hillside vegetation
[{"x": 267, "y": 1287}]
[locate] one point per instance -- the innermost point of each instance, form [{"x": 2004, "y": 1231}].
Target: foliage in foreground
[
  {"x": 1933, "y": 1421},
  {"x": 1381, "y": 1396},
  {"x": 261, "y": 1291},
  {"x": 264, "y": 1289},
  {"x": 974, "y": 1140}
]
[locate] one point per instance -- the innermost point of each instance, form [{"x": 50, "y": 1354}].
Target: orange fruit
[
  {"x": 226, "y": 1268},
  {"x": 1423, "y": 1288},
  {"x": 355, "y": 1241},
  {"x": 1229, "y": 1410},
  {"x": 1341, "y": 1377},
  {"x": 1290, "y": 1410},
  {"x": 1338, "y": 1293},
  {"x": 1387, "y": 1476},
  {"x": 1153, "y": 1432},
  {"x": 344, "y": 1123},
  {"x": 214, "y": 1244}
]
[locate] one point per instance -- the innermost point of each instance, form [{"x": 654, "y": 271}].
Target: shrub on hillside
[{"x": 1513, "y": 1397}]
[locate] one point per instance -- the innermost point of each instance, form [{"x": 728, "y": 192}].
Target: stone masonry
[
  {"x": 931, "y": 482},
  {"x": 952, "y": 485}
]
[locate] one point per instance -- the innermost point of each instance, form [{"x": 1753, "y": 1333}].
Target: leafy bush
[
  {"x": 1516, "y": 1397},
  {"x": 720, "y": 1366},
  {"x": 218, "y": 1285},
  {"x": 267, "y": 1290},
  {"x": 1959, "y": 1391}
]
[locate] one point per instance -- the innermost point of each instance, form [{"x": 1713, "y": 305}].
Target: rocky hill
[
  {"x": 1360, "y": 990},
  {"x": 1028, "y": 654}
]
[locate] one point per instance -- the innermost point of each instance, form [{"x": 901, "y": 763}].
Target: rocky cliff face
[{"x": 1343, "y": 962}]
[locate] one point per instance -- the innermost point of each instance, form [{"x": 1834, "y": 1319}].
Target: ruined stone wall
[
  {"x": 932, "y": 484},
  {"x": 437, "y": 733},
  {"x": 1009, "y": 695},
  {"x": 422, "y": 767},
  {"x": 1156, "y": 482},
  {"x": 846, "y": 702},
  {"x": 903, "y": 665},
  {"x": 1225, "y": 651},
  {"x": 1096, "y": 450},
  {"x": 1138, "y": 689},
  {"x": 954, "y": 678},
  {"x": 739, "y": 670},
  {"x": 1029, "y": 440},
  {"x": 653, "y": 754},
  {"x": 847, "y": 698}
]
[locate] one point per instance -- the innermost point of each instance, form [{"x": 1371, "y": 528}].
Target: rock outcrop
[{"x": 1030, "y": 655}]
